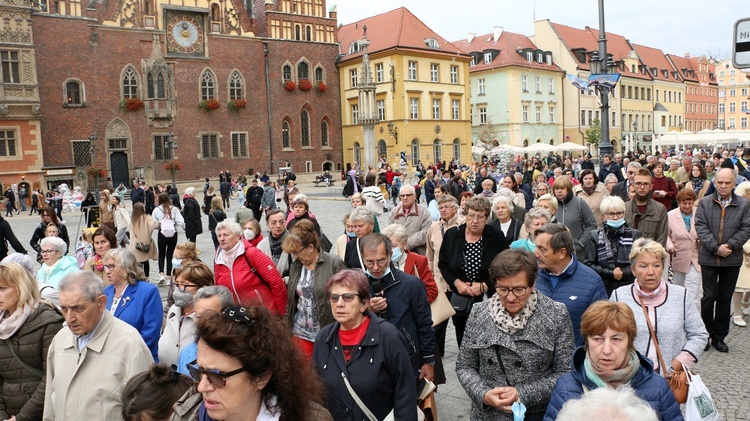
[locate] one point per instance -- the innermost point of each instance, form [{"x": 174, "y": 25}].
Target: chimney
[
  {"x": 470, "y": 37},
  {"x": 496, "y": 32},
  {"x": 687, "y": 55}
]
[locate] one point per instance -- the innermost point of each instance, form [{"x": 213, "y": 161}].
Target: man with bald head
[
  {"x": 722, "y": 222},
  {"x": 414, "y": 217}
]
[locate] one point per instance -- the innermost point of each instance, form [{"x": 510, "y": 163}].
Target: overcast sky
[{"x": 688, "y": 26}]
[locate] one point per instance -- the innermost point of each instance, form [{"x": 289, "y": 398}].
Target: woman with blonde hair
[
  {"x": 215, "y": 215},
  {"x": 106, "y": 216},
  {"x": 142, "y": 227},
  {"x": 131, "y": 298},
  {"x": 27, "y": 324}
]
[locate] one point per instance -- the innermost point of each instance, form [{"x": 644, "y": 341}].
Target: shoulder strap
[
  {"x": 359, "y": 254},
  {"x": 370, "y": 416},
  {"x": 662, "y": 367},
  {"x": 255, "y": 272},
  {"x": 29, "y": 368},
  {"x": 502, "y": 366}
]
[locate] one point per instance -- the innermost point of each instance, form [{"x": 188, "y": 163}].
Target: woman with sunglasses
[
  {"x": 133, "y": 299},
  {"x": 366, "y": 351},
  {"x": 248, "y": 369},
  {"x": 179, "y": 330}
]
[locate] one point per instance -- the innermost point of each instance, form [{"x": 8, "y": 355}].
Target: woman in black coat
[
  {"x": 49, "y": 217},
  {"x": 191, "y": 212},
  {"x": 87, "y": 207},
  {"x": 466, "y": 255}
]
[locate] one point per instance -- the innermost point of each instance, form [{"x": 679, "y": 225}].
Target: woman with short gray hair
[
  {"x": 534, "y": 219},
  {"x": 55, "y": 265},
  {"x": 607, "y": 248}
]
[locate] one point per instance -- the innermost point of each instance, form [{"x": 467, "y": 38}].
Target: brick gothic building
[{"x": 129, "y": 76}]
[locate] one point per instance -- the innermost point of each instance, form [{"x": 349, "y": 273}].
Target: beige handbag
[{"x": 441, "y": 308}]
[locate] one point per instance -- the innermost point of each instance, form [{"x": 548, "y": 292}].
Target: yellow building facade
[{"x": 422, "y": 96}]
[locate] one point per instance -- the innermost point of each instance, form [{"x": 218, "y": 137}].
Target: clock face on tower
[{"x": 185, "y": 34}]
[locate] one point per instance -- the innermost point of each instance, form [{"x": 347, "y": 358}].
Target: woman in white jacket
[{"x": 122, "y": 221}]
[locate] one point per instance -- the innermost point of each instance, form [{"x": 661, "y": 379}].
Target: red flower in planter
[
  {"x": 322, "y": 87},
  {"x": 131, "y": 104},
  {"x": 236, "y": 104},
  {"x": 172, "y": 166},
  {"x": 289, "y": 85},
  {"x": 305, "y": 85}
]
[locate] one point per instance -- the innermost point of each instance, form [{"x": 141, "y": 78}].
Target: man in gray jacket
[
  {"x": 722, "y": 222},
  {"x": 644, "y": 213}
]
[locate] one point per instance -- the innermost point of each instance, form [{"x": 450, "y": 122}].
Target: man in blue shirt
[{"x": 562, "y": 277}]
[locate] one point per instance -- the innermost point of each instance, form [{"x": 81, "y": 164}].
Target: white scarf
[
  {"x": 227, "y": 258},
  {"x": 10, "y": 323}
]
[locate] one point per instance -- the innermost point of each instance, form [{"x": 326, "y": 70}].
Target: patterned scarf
[
  {"x": 589, "y": 190},
  {"x": 698, "y": 185},
  {"x": 614, "y": 378},
  {"x": 512, "y": 324},
  {"x": 622, "y": 238}
]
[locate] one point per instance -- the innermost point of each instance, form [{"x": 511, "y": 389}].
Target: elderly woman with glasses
[
  {"x": 465, "y": 257},
  {"x": 131, "y": 298},
  {"x": 307, "y": 310},
  {"x": 362, "y": 355},
  {"x": 248, "y": 369},
  {"x": 55, "y": 265},
  {"x": 178, "y": 337},
  {"x": 534, "y": 219},
  {"x": 517, "y": 343},
  {"x": 608, "y": 248}
]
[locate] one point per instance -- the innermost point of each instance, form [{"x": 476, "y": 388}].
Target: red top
[{"x": 352, "y": 338}]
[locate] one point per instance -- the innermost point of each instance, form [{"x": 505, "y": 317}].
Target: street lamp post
[
  {"x": 92, "y": 138},
  {"x": 171, "y": 145},
  {"x": 601, "y": 63},
  {"x": 635, "y": 132}
]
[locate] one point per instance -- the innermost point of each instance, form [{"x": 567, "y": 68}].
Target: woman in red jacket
[{"x": 246, "y": 271}]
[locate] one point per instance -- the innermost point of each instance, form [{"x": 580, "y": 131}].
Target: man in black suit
[{"x": 622, "y": 188}]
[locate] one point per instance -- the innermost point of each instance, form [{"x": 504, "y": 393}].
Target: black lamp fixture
[
  {"x": 170, "y": 144},
  {"x": 393, "y": 131},
  {"x": 92, "y": 138}
]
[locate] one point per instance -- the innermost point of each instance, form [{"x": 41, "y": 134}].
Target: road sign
[{"x": 741, "y": 44}]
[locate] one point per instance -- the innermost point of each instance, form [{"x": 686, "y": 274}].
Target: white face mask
[{"x": 249, "y": 234}]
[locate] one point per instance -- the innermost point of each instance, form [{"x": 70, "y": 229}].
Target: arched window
[
  {"x": 308, "y": 33},
  {"x": 208, "y": 86},
  {"x": 297, "y": 33},
  {"x": 414, "y": 151},
  {"x": 552, "y": 141},
  {"x": 286, "y": 141},
  {"x": 160, "y": 91},
  {"x": 303, "y": 70},
  {"x": 457, "y": 149},
  {"x": 324, "y": 134},
  {"x": 319, "y": 74},
  {"x": 129, "y": 83},
  {"x": 357, "y": 153},
  {"x": 382, "y": 148},
  {"x": 215, "y": 12},
  {"x": 305, "y": 127},
  {"x": 287, "y": 72},
  {"x": 235, "y": 86},
  {"x": 150, "y": 86},
  {"x": 437, "y": 150},
  {"x": 74, "y": 94},
  {"x": 525, "y": 143}
]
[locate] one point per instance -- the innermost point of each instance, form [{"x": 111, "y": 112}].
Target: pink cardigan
[{"x": 684, "y": 242}]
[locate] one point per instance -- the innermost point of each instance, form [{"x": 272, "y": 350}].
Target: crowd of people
[{"x": 562, "y": 283}]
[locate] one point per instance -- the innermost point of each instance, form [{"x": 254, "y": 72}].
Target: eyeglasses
[
  {"x": 475, "y": 217},
  {"x": 517, "y": 291},
  {"x": 614, "y": 214},
  {"x": 109, "y": 267},
  {"x": 445, "y": 208},
  {"x": 379, "y": 262},
  {"x": 642, "y": 185},
  {"x": 406, "y": 195},
  {"x": 48, "y": 251},
  {"x": 348, "y": 297},
  {"x": 183, "y": 287},
  {"x": 217, "y": 378}
]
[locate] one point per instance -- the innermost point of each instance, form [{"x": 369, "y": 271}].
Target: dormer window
[
  {"x": 487, "y": 58},
  {"x": 472, "y": 63},
  {"x": 540, "y": 58},
  {"x": 432, "y": 43},
  {"x": 529, "y": 56},
  {"x": 654, "y": 72},
  {"x": 549, "y": 59},
  {"x": 665, "y": 73},
  {"x": 354, "y": 47},
  {"x": 582, "y": 56}
]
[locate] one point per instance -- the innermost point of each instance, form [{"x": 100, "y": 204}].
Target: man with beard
[
  {"x": 271, "y": 245},
  {"x": 645, "y": 214}
]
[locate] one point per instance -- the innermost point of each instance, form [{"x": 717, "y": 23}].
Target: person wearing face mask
[
  {"x": 608, "y": 248},
  {"x": 307, "y": 309},
  {"x": 251, "y": 232},
  {"x": 271, "y": 245},
  {"x": 339, "y": 246},
  {"x": 178, "y": 338}
]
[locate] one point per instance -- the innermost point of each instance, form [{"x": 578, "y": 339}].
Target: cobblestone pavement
[{"x": 726, "y": 375}]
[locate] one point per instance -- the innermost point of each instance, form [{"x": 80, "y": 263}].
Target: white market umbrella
[
  {"x": 539, "y": 147},
  {"x": 570, "y": 146}
]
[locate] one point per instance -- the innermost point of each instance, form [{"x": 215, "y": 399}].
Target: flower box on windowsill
[
  {"x": 236, "y": 104},
  {"x": 289, "y": 85},
  {"x": 209, "y": 104},
  {"x": 322, "y": 87},
  {"x": 131, "y": 104},
  {"x": 305, "y": 85}
]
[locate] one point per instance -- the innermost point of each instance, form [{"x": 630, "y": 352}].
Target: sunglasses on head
[{"x": 217, "y": 378}]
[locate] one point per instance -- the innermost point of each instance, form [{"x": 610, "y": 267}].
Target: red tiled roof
[
  {"x": 398, "y": 28},
  {"x": 683, "y": 64},
  {"x": 654, "y": 57},
  {"x": 696, "y": 61},
  {"x": 588, "y": 39},
  {"x": 509, "y": 43}
]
